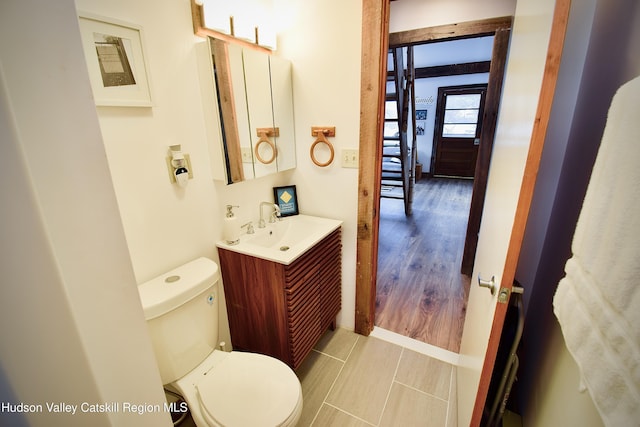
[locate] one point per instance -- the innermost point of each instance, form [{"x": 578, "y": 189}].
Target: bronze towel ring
[{"x": 321, "y": 137}]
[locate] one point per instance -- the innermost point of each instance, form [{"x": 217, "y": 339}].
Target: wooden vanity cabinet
[{"x": 283, "y": 310}]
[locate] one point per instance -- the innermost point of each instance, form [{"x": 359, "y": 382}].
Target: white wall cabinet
[{"x": 248, "y": 100}]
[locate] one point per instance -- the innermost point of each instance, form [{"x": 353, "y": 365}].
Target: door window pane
[
  {"x": 461, "y": 116},
  {"x": 459, "y": 131},
  {"x": 463, "y": 101}
]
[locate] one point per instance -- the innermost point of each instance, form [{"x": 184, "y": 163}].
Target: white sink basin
[{"x": 285, "y": 240}]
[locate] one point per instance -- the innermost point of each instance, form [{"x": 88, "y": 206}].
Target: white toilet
[{"x": 220, "y": 388}]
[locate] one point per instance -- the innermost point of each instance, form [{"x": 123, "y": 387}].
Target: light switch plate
[
  {"x": 247, "y": 156},
  {"x": 350, "y": 158}
]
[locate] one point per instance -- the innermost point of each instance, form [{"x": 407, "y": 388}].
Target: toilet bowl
[
  {"x": 221, "y": 388},
  {"x": 242, "y": 389}
]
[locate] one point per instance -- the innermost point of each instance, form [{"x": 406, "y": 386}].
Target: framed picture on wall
[
  {"x": 116, "y": 61},
  {"x": 421, "y": 121},
  {"x": 287, "y": 199}
]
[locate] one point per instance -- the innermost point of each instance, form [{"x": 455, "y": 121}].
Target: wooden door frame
[
  {"x": 373, "y": 75},
  {"x": 375, "y": 42}
]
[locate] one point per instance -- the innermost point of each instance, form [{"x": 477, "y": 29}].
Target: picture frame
[
  {"x": 287, "y": 200},
  {"x": 421, "y": 121},
  {"x": 116, "y": 61}
]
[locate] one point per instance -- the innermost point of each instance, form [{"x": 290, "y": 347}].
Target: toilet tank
[{"x": 181, "y": 309}]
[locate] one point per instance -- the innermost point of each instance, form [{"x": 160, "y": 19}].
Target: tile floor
[{"x": 350, "y": 380}]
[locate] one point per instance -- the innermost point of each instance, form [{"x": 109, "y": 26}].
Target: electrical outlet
[{"x": 350, "y": 158}]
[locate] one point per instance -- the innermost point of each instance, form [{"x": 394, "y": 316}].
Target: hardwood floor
[{"x": 420, "y": 290}]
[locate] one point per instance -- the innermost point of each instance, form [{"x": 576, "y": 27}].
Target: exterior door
[{"x": 458, "y": 125}]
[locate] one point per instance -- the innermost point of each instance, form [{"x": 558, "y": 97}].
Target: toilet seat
[{"x": 248, "y": 389}]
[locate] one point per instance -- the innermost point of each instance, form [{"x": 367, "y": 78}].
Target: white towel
[{"x": 598, "y": 301}]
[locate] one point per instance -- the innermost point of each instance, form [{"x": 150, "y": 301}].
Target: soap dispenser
[{"x": 231, "y": 227}]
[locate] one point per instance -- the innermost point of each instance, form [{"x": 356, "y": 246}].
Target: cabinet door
[
  {"x": 313, "y": 295},
  {"x": 303, "y": 312},
  {"x": 258, "y": 319},
  {"x": 258, "y": 86},
  {"x": 330, "y": 274},
  {"x": 228, "y": 72},
  {"x": 248, "y": 90},
  {"x": 282, "y": 95}
]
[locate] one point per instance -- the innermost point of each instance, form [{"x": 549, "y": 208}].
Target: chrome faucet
[{"x": 274, "y": 214}]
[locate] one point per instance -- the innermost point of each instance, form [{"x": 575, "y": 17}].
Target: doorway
[
  {"x": 369, "y": 181},
  {"x": 421, "y": 293},
  {"x": 481, "y": 342},
  {"x": 420, "y": 290}
]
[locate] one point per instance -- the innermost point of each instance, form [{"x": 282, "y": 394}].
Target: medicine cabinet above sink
[{"x": 248, "y": 103}]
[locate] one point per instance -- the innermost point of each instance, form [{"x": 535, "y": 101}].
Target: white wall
[
  {"x": 453, "y": 52},
  {"x": 322, "y": 39},
  {"x": 557, "y": 398},
  {"x": 32, "y": 314},
  {"x": 166, "y": 226},
  {"x": 72, "y": 326},
  {"x": 413, "y": 14}
]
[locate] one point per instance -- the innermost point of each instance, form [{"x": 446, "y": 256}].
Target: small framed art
[
  {"x": 287, "y": 199},
  {"x": 116, "y": 62}
]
